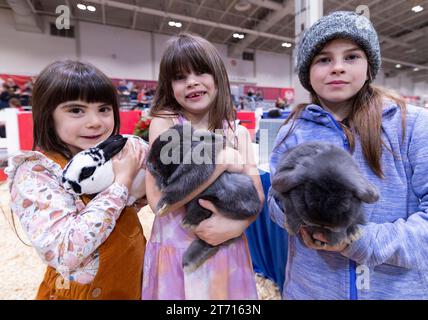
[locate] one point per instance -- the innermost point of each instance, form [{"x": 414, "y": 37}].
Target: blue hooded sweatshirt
[{"x": 390, "y": 260}]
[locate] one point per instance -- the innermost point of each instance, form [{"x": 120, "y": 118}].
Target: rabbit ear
[
  {"x": 112, "y": 146},
  {"x": 362, "y": 188},
  {"x": 284, "y": 181},
  {"x": 366, "y": 191},
  {"x": 109, "y": 140}
]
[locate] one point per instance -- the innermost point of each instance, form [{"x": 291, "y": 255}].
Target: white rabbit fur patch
[{"x": 91, "y": 171}]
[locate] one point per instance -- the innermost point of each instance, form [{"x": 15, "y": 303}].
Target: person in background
[
  {"x": 13, "y": 86},
  {"x": 279, "y": 103},
  {"x": 16, "y": 104},
  {"x": 6, "y": 94}
]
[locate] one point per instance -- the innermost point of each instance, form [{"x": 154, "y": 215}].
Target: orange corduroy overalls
[{"x": 121, "y": 259}]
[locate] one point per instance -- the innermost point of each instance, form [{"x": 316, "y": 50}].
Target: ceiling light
[
  {"x": 415, "y": 69},
  {"x": 417, "y": 9},
  {"x": 238, "y": 36},
  {"x": 91, "y": 8},
  {"x": 81, "y": 6},
  {"x": 286, "y": 44},
  {"x": 242, "y": 5},
  {"x": 398, "y": 66},
  {"x": 175, "y": 24}
]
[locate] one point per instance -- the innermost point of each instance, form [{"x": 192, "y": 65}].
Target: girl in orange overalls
[{"x": 93, "y": 247}]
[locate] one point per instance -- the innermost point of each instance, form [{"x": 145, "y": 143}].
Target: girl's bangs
[
  {"x": 85, "y": 87},
  {"x": 187, "y": 57}
]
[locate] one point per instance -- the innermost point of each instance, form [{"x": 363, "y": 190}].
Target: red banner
[
  {"x": 19, "y": 80},
  {"x": 128, "y": 120}
]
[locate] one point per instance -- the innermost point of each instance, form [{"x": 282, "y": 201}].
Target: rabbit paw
[
  {"x": 187, "y": 225},
  {"x": 320, "y": 243},
  {"x": 353, "y": 234}
]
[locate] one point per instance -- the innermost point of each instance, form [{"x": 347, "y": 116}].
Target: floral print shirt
[{"x": 65, "y": 232}]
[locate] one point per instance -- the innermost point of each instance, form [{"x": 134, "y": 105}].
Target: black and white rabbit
[
  {"x": 182, "y": 158},
  {"x": 91, "y": 171},
  {"x": 322, "y": 188}
]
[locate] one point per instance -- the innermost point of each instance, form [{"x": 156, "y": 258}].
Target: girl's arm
[
  {"x": 218, "y": 229},
  {"x": 404, "y": 242},
  {"x": 61, "y": 228}
]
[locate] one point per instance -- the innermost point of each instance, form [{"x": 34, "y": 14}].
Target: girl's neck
[
  {"x": 198, "y": 121},
  {"x": 74, "y": 150},
  {"x": 340, "y": 110}
]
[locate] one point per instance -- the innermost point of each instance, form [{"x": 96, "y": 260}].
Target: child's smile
[
  {"x": 195, "y": 96},
  {"x": 194, "y": 91}
]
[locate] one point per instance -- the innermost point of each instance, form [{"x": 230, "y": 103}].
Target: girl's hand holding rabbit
[{"x": 128, "y": 162}]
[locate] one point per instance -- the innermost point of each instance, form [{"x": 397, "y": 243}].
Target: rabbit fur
[
  {"x": 91, "y": 171},
  {"x": 233, "y": 194},
  {"x": 322, "y": 188}
]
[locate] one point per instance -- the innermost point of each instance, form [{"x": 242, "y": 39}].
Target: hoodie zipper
[{"x": 353, "y": 293}]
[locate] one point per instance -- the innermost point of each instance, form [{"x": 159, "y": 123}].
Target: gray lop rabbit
[
  {"x": 322, "y": 188},
  {"x": 233, "y": 194}
]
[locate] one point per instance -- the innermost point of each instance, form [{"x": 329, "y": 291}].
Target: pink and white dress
[{"x": 227, "y": 275}]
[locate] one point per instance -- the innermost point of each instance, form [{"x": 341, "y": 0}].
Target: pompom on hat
[{"x": 343, "y": 25}]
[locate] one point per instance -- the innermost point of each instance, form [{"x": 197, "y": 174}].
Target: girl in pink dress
[{"x": 193, "y": 86}]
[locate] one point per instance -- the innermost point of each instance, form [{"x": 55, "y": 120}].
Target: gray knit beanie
[{"x": 339, "y": 24}]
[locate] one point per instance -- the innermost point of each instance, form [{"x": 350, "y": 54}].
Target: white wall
[
  {"x": 120, "y": 53},
  {"x": 25, "y": 53},
  {"x": 402, "y": 84},
  {"x": 159, "y": 45},
  {"x": 273, "y": 69},
  {"x": 421, "y": 89},
  {"x": 125, "y": 53},
  {"x": 238, "y": 70}
]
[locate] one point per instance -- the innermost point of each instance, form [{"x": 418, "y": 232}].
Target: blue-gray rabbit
[
  {"x": 182, "y": 158},
  {"x": 322, "y": 188}
]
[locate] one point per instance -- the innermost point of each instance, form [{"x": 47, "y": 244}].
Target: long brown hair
[
  {"x": 63, "y": 81},
  {"x": 185, "y": 53},
  {"x": 365, "y": 120},
  {"x": 59, "y": 82}
]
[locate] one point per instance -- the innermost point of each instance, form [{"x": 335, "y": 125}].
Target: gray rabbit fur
[
  {"x": 233, "y": 194},
  {"x": 322, "y": 188}
]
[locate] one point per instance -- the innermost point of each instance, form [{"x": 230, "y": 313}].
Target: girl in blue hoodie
[{"x": 338, "y": 58}]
